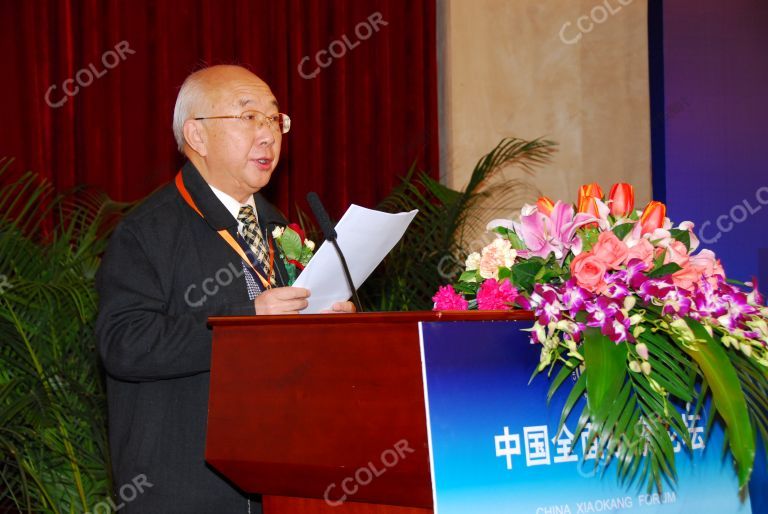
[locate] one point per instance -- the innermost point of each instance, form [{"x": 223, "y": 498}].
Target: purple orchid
[
  {"x": 616, "y": 286},
  {"x": 574, "y": 297},
  {"x": 547, "y": 302},
  {"x": 677, "y": 302},
  {"x": 655, "y": 289},
  {"x": 618, "y": 329},
  {"x": 601, "y": 312}
]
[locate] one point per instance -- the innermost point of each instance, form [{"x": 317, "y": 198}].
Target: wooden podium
[{"x": 325, "y": 413}]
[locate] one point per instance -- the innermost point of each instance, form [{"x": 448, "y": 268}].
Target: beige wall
[{"x": 506, "y": 71}]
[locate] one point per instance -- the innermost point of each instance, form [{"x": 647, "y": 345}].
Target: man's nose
[{"x": 265, "y": 136}]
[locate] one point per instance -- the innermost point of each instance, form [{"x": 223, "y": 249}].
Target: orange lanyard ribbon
[{"x": 226, "y": 236}]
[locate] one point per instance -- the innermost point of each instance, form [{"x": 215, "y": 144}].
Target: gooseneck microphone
[{"x": 321, "y": 215}]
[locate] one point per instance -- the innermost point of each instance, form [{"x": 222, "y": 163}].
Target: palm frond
[
  {"x": 431, "y": 251},
  {"x": 53, "y": 439}
]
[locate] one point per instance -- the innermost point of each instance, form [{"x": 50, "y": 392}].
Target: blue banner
[{"x": 494, "y": 448}]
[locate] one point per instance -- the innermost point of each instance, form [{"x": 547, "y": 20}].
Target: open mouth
[{"x": 263, "y": 163}]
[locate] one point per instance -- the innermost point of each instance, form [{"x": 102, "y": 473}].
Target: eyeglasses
[{"x": 256, "y": 119}]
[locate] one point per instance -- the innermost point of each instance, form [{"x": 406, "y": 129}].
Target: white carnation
[{"x": 473, "y": 261}]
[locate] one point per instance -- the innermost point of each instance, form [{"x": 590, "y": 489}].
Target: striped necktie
[{"x": 252, "y": 235}]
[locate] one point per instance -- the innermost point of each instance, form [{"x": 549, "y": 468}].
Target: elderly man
[{"x": 198, "y": 247}]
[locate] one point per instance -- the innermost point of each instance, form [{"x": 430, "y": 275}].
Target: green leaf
[
  {"x": 565, "y": 372},
  {"x": 684, "y": 236},
  {"x": 570, "y": 401},
  {"x": 727, "y": 398},
  {"x": 290, "y": 268},
  {"x": 589, "y": 238},
  {"x": 664, "y": 270},
  {"x": 515, "y": 240},
  {"x": 524, "y": 273},
  {"x": 290, "y": 243},
  {"x": 606, "y": 368},
  {"x": 470, "y": 276},
  {"x": 622, "y": 230}
]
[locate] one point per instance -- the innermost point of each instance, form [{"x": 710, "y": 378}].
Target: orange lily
[
  {"x": 590, "y": 190},
  {"x": 545, "y": 205}
]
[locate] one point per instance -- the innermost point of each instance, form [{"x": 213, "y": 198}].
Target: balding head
[
  {"x": 234, "y": 153},
  {"x": 202, "y": 89}
]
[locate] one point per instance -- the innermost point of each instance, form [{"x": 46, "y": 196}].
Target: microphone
[{"x": 321, "y": 215}]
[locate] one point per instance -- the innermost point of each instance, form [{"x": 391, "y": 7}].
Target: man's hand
[
  {"x": 282, "y": 300},
  {"x": 343, "y": 307}
]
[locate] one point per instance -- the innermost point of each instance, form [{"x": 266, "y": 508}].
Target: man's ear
[{"x": 195, "y": 137}]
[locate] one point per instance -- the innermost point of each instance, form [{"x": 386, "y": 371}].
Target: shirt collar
[{"x": 232, "y": 205}]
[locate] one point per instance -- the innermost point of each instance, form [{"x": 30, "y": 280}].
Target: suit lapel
[{"x": 218, "y": 217}]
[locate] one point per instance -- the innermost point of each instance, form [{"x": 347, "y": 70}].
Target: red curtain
[{"x": 358, "y": 79}]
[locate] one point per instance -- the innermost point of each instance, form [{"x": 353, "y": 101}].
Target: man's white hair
[{"x": 190, "y": 96}]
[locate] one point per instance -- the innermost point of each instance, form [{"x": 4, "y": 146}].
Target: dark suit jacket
[{"x": 165, "y": 271}]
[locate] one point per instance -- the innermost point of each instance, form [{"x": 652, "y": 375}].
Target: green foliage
[
  {"x": 291, "y": 244},
  {"x": 728, "y": 399},
  {"x": 630, "y": 415},
  {"x": 53, "y": 442},
  {"x": 663, "y": 270},
  {"x": 430, "y": 253},
  {"x": 621, "y": 231},
  {"x": 684, "y": 236}
]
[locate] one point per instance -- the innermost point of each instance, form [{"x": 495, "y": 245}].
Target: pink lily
[{"x": 544, "y": 234}]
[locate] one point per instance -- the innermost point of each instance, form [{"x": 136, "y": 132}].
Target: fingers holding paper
[
  {"x": 282, "y": 300},
  {"x": 343, "y": 307}
]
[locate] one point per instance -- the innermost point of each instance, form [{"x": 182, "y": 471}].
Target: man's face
[{"x": 240, "y": 155}]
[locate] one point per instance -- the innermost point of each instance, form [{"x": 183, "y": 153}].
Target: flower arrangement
[
  {"x": 623, "y": 298},
  {"x": 294, "y": 248}
]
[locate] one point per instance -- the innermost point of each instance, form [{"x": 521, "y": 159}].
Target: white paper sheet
[{"x": 366, "y": 237}]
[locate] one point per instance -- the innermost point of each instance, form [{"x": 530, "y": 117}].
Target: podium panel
[
  {"x": 328, "y": 408},
  {"x": 496, "y": 447}
]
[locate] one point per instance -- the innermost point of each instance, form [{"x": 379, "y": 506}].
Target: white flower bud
[
  {"x": 642, "y": 350},
  {"x": 646, "y": 367},
  {"x": 657, "y": 387},
  {"x": 634, "y": 366},
  {"x": 544, "y": 359},
  {"x": 566, "y": 326},
  {"x": 681, "y": 328},
  {"x": 759, "y": 325},
  {"x": 629, "y": 302},
  {"x": 746, "y": 349},
  {"x": 277, "y": 232},
  {"x": 473, "y": 261},
  {"x": 309, "y": 244}
]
